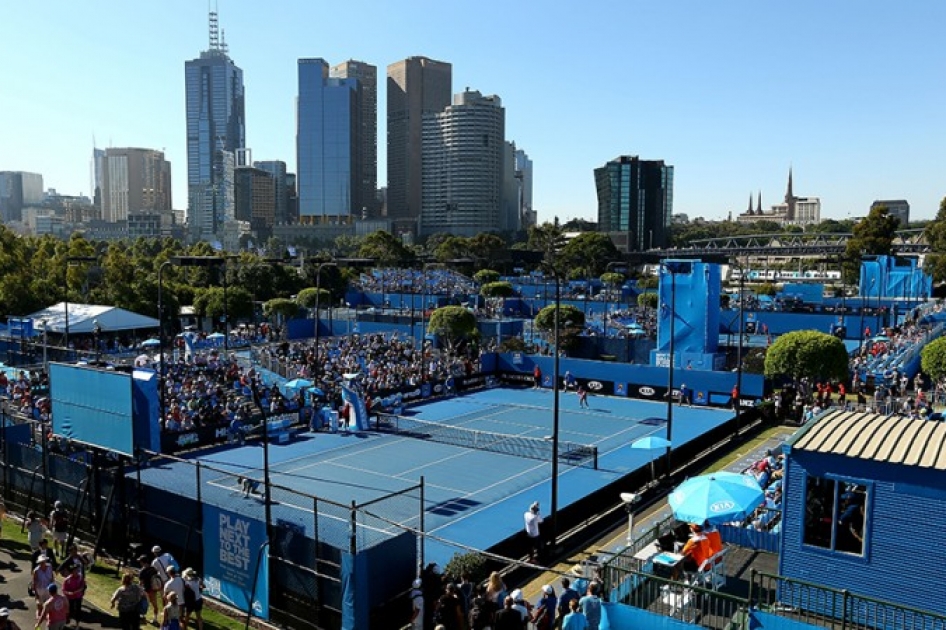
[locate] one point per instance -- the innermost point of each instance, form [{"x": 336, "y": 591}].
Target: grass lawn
[
  {"x": 749, "y": 447},
  {"x": 102, "y": 580}
]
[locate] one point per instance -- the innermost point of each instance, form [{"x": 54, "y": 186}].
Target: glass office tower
[
  {"x": 215, "y": 130},
  {"x": 635, "y": 202},
  {"x": 328, "y": 119}
]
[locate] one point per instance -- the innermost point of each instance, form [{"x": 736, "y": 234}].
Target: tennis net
[{"x": 569, "y": 453}]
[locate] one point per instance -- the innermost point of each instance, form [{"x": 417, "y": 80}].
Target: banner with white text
[{"x": 236, "y": 561}]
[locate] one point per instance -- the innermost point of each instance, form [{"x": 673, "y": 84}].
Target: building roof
[
  {"x": 82, "y": 318},
  {"x": 891, "y": 439}
]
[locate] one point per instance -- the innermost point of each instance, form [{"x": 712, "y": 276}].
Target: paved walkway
[{"x": 15, "y": 578}]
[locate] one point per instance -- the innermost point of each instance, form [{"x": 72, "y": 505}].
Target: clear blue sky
[{"x": 852, "y": 95}]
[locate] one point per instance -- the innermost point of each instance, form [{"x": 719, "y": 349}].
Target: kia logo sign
[
  {"x": 646, "y": 391},
  {"x": 595, "y": 386},
  {"x": 721, "y": 506}
]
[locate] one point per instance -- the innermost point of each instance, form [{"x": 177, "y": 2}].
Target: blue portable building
[{"x": 864, "y": 500}]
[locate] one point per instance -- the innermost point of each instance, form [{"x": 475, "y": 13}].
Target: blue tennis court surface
[{"x": 474, "y": 498}]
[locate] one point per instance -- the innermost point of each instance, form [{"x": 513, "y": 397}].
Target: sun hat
[
  {"x": 156, "y": 549},
  {"x": 4, "y": 612},
  {"x": 547, "y": 589}
]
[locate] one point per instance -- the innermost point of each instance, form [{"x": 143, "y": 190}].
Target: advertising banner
[{"x": 235, "y": 561}]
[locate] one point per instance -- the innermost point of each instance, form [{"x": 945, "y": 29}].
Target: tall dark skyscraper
[
  {"x": 416, "y": 86},
  {"x": 635, "y": 202},
  {"x": 215, "y": 130},
  {"x": 367, "y": 76}
]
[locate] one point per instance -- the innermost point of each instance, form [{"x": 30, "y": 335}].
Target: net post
[{"x": 594, "y": 451}]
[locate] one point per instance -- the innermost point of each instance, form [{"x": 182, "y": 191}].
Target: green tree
[
  {"x": 591, "y": 251},
  {"x": 210, "y": 303},
  {"x": 933, "y": 359},
  {"x": 453, "y": 248},
  {"x": 570, "y": 319},
  {"x": 935, "y": 262},
  {"x": 453, "y": 324},
  {"x": 307, "y": 298},
  {"x": 485, "y": 276},
  {"x": 871, "y": 237},
  {"x": 283, "y": 308},
  {"x": 485, "y": 246},
  {"x": 648, "y": 300},
  {"x": 649, "y": 282},
  {"x": 386, "y": 250},
  {"x": 612, "y": 279},
  {"x": 497, "y": 290},
  {"x": 807, "y": 353}
]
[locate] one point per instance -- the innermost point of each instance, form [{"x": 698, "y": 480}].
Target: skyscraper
[
  {"x": 635, "y": 202},
  {"x": 277, "y": 168},
  {"x": 463, "y": 176},
  {"x": 327, "y": 148},
  {"x": 367, "y": 76},
  {"x": 215, "y": 130},
  {"x": 133, "y": 181},
  {"x": 18, "y": 190},
  {"x": 416, "y": 86}
]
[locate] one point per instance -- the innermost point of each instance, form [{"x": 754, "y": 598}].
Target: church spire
[
  {"x": 789, "y": 195},
  {"x": 749, "y": 209},
  {"x": 759, "y": 207}
]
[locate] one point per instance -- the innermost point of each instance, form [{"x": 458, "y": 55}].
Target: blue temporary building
[{"x": 864, "y": 496}]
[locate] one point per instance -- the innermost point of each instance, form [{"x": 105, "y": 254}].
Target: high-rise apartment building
[
  {"x": 133, "y": 181},
  {"x": 277, "y": 168},
  {"x": 367, "y": 76},
  {"x": 635, "y": 202},
  {"x": 524, "y": 177},
  {"x": 215, "y": 130},
  {"x": 19, "y": 190},
  {"x": 327, "y": 147},
  {"x": 416, "y": 86},
  {"x": 463, "y": 175}
]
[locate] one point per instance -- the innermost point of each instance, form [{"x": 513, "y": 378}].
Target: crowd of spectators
[
  {"x": 426, "y": 281},
  {"x": 380, "y": 362},
  {"x": 25, "y": 392}
]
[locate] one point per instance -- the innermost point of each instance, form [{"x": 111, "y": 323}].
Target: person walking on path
[
  {"x": 73, "y": 587},
  {"x": 172, "y": 613},
  {"x": 43, "y": 578},
  {"x": 59, "y": 524},
  {"x": 55, "y": 611},
  {"x": 193, "y": 600},
  {"x": 151, "y": 584},
  {"x": 127, "y": 598}
]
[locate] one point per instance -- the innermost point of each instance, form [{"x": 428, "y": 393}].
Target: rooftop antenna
[
  {"x": 214, "y": 30},
  {"x": 223, "y": 42}
]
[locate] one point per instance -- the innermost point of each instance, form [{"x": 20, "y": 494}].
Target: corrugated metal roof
[{"x": 891, "y": 439}]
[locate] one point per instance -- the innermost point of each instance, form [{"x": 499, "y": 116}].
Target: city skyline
[{"x": 731, "y": 95}]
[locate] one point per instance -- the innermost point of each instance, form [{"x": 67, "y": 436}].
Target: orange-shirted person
[
  {"x": 696, "y": 550},
  {"x": 713, "y": 539}
]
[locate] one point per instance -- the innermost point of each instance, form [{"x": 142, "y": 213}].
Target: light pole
[
  {"x": 65, "y": 304},
  {"x": 672, "y": 267},
  {"x": 96, "y": 332},
  {"x": 318, "y": 294},
  {"x": 44, "y": 323},
  {"x": 629, "y": 499},
  {"x": 555, "y": 411},
  {"x": 737, "y": 404}
]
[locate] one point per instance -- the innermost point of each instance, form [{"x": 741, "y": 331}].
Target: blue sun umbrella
[
  {"x": 315, "y": 391},
  {"x": 651, "y": 443},
  {"x": 719, "y": 497},
  {"x": 150, "y": 343},
  {"x": 298, "y": 383}
]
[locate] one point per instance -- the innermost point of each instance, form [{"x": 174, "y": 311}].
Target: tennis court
[{"x": 472, "y": 497}]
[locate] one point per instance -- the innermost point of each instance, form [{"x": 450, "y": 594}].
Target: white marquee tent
[{"x": 82, "y": 318}]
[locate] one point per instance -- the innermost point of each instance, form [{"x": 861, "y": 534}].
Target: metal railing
[{"x": 835, "y": 609}]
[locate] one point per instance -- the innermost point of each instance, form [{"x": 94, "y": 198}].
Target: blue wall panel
[{"x": 92, "y": 406}]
